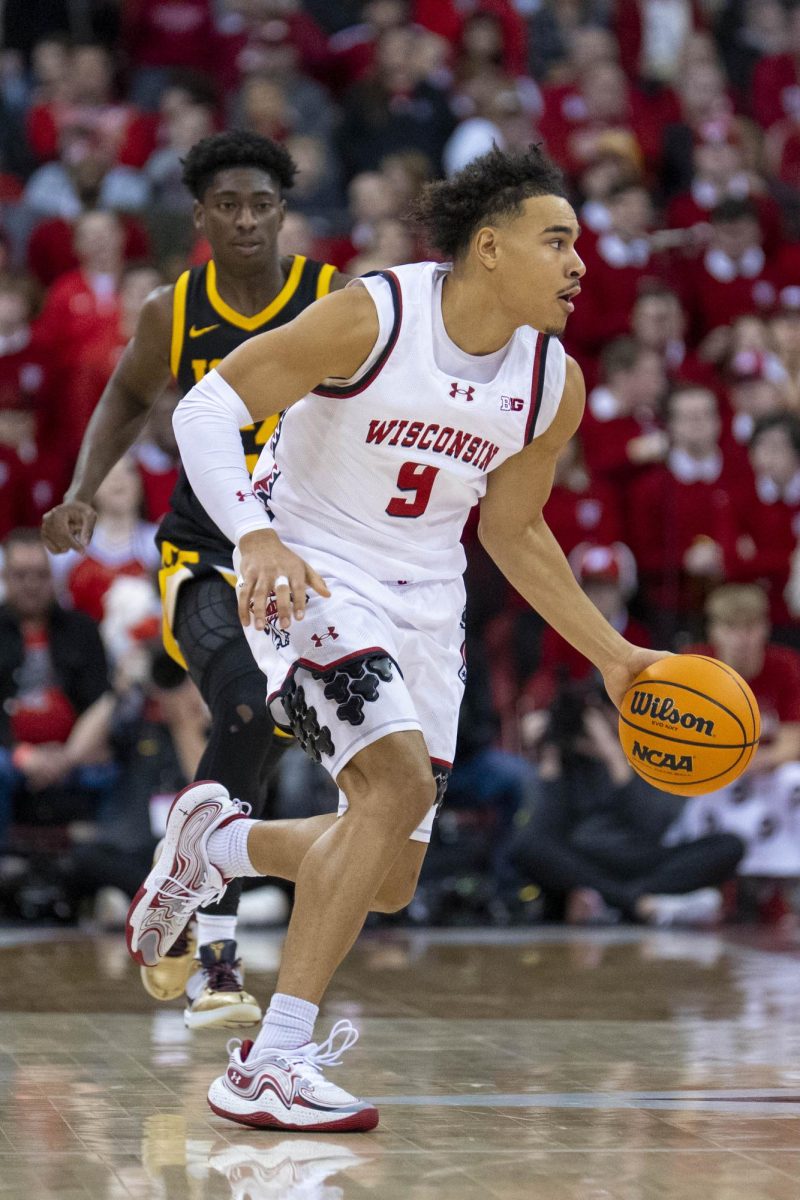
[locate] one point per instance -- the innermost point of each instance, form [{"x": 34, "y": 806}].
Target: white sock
[
  {"x": 289, "y": 1023},
  {"x": 227, "y": 849},
  {"x": 215, "y": 929}
]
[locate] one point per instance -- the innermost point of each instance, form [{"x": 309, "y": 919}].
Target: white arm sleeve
[{"x": 206, "y": 423}]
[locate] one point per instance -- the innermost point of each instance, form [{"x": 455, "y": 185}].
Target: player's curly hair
[
  {"x": 488, "y": 188},
  {"x": 222, "y": 151}
]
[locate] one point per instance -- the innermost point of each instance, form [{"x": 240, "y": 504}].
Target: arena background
[{"x": 677, "y": 125}]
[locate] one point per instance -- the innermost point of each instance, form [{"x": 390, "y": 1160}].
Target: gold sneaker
[
  {"x": 169, "y": 977},
  {"x": 215, "y": 993}
]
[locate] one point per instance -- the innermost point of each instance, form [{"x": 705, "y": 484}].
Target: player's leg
[
  {"x": 389, "y": 788},
  {"x": 242, "y": 754},
  {"x": 278, "y": 1080}
]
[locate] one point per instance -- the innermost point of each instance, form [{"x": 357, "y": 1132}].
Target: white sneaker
[
  {"x": 294, "y": 1169},
  {"x": 700, "y": 908},
  {"x": 285, "y": 1089},
  {"x": 183, "y": 878}
]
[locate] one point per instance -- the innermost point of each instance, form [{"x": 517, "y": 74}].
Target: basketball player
[
  {"x": 407, "y": 398},
  {"x": 238, "y": 181}
]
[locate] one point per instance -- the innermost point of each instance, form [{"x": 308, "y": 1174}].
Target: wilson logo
[
  {"x": 661, "y": 708},
  {"x": 666, "y": 762}
]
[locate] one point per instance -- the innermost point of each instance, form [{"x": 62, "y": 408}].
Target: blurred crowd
[{"x": 677, "y": 124}]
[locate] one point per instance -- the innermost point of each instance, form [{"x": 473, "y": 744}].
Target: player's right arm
[
  {"x": 135, "y": 384},
  {"x": 264, "y": 376}
]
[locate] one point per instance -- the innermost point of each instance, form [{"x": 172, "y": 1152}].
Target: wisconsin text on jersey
[{"x": 456, "y": 443}]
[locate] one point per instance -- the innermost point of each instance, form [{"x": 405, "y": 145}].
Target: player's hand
[
  {"x": 68, "y": 526},
  {"x": 619, "y": 677},
  {"x": 265, "y": 559}
]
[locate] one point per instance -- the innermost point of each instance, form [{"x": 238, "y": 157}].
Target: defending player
[
  {"x": 238, "y": 181},
  {"x": 410, "y": 396}
]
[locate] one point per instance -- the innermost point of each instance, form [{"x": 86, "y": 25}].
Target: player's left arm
[{"x": 514, "y": 533}]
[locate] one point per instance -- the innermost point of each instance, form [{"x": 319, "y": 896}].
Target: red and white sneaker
[
  {"x": 285, "y": 1089},
  {"x": 183, "y": 878}
]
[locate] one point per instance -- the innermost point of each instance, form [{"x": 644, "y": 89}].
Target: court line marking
[{"x": 754, "y": 1101}]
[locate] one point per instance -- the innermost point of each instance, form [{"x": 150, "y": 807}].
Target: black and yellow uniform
[
  {"x": 204, "y": 330},
  {"x": 202, "y": 630}
]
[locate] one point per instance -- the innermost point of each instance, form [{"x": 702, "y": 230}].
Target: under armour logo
[
  {"x": 456, "y": 390},
  {"x": 511, "y": 404},
  {"x": 235, "y": 1077},
  {"x": 242, "y": 496},
  {"x": 319, "y": 638}
]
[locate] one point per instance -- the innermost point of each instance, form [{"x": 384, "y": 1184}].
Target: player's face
[
  {"x": 241, "y": 214},
  {"x": 539, "y": 268}
]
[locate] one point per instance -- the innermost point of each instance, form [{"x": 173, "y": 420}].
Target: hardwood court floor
[{"x": 544, "y": 1065}]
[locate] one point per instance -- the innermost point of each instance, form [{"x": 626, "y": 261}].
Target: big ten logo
[{"x": 201, "y": 367}]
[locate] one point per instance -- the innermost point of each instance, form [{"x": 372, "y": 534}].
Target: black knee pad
[{"x": 238, "y": 702}]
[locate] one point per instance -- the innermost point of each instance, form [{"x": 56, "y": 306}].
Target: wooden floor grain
[{"x": 543, "y": 1065}]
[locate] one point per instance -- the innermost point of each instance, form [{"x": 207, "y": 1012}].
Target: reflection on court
[{"x": 561, "y": 1066}]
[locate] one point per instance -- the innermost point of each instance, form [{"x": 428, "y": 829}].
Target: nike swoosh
[{"x": 194, "y": 332}]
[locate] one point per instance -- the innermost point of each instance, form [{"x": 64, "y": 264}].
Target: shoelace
[
  {"x": 327, "y": 1054},
  {"x": 223, "y": 977},
  {"x": 188, "y": 900},
  {"x": 316, "y": 1055}
]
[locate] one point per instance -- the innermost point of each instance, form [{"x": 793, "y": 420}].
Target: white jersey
[{"x": 382, "y": 470}]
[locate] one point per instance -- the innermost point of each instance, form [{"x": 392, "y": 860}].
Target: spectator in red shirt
[
  {"x": 89, "y": 107},
  {"x": 620, "y": 263},
  {"x": 576, "y": 123},
  {"x": 101, "y": 353},
  {"x": 658, "y": 321},
  {"x": 720, "y": 174},
  {"x": 581, "y": 508},
  {"x": 83, "y": 307},
  {"x": 52, "y": 669},
  {"x": 622, "y": 431},
  {"x": 767, "y": 516},
  {"x": 32, "y": 464},
  {"x": 776, "y": 79},
  {"x": 734, "y": 276},
  {"x": 680, "y": 518},
  {"x": 156, "y": 456},
  {"x": 761, "y": 806},
  {"x": 756, "y": 382},
  {"x": 160, "y": 35}
]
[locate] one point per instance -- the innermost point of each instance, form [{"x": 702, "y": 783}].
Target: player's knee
[
  {"x": 392, "y": 789},
  {"x": 397, "y": 890},
  {"x": 394, "y": 897},
  {"x": 240, "y": 710}
]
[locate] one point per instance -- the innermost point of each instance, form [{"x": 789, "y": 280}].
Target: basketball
[{"x": 689, "y": 724}]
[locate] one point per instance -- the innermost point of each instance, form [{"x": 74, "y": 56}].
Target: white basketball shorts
[{"x": 373, "y": 659}]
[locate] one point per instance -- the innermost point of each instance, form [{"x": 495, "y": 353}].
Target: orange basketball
[{"x": 689, "y": 724}]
